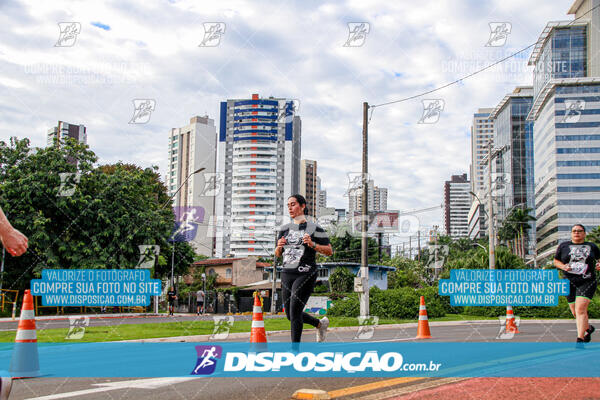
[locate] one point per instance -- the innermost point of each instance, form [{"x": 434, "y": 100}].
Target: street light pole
[
  {"x": 173, "y": 238},
  {"x": 364, "y": 259}
]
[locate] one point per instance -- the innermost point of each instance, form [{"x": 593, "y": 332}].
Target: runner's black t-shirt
[
  {"x": 580, "y": 257},
  {"x": 297, "y": 256},
  {"x": 171, "y": 295}
]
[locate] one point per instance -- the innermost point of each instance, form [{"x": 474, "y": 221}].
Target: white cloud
[{"x": 280, "y": 49}]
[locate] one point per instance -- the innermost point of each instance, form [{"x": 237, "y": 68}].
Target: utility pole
[
  {"x": 492, "y": 153},
  {"x": 379, "y": 240},
  {"x": 410, "y": 247},
  {"x": 364, "y": 259},
  {"x": 419, "y": 245}
]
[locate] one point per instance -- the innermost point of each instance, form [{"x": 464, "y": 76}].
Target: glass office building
[
  {"x": 566, "y": 112},
  {"x": 515, "y": 174}
]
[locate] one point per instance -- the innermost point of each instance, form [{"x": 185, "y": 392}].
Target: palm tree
[{"x": 519, "y": 218}]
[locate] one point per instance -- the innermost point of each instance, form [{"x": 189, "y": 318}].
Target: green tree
[
  {"x": 408, "y": 273},
  {"x": 594, "y": 236},
  {"x": 341, "y": 280},
  {"x": 110, "y": 212},
  {"x": 348, "y": 248}
]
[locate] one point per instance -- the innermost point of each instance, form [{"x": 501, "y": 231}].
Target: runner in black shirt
[
  {"x": 171, "y": 297},
  {"x": 579, "y": 260},
  {"x": 299, "y": 243}
]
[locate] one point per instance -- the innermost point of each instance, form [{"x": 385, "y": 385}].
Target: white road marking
[{"x": 152, "y": 383}]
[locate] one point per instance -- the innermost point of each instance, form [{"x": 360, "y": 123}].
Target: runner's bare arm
[
  {"x": 560, "y": 265},
  {"x": 13, "y": 241}
]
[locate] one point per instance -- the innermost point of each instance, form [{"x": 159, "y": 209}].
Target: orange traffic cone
[
  {"x": 423, "y": 328},
  {"x": 257, "y": 333},
  {"x": 25, "y": 360},
  {"x": 511, "y": 326}
]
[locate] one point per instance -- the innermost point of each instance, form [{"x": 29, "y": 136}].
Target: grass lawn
[{"x": 187, "y": 328}]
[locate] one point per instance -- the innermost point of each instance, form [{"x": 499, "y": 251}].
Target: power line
[{"x": 469, "y": 75}]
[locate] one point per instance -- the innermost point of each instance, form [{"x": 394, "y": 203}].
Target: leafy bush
[
  {"x": 341, "y": 280},
  {"x": 394, "y": 303},
  {"x": 320, "y": 288}
]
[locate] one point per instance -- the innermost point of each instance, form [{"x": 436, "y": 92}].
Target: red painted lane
[{"x": 513, "y": 389}]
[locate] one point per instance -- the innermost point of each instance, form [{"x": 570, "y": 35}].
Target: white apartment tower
[
  {"x": 192, "y": 147},
  {"x": 259, "y": 159}
]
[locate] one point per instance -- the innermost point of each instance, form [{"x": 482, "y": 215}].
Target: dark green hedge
[
  {"x": 394, "y": 303},
  {"x": 404, "y": 303}
]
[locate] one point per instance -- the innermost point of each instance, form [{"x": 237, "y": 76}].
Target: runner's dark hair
[
  {"x": 582, "y": 227},
  {"x": 302, "y": 201}
]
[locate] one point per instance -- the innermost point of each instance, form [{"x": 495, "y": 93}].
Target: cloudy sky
[{"x": 150, "y": 49}]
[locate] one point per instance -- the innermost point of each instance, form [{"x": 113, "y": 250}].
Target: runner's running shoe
[
  {"x": 588, "y": 334},
  {"x": 322, "y": 330}
]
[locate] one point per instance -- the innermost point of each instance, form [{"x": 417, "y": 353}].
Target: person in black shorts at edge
[
  {"x": 299, "y": 242},
  {"x": 579, "y": 261},
  {"x": 171, "y": 297}
]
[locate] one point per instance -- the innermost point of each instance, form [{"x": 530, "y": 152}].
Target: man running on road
[
  {"x": 171, "y": 297},
  {"x": 200, "y": 302},
  {"x": 579, "y": 261}
]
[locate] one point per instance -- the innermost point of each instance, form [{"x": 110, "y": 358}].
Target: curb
[{"x": 246, "y": 335}]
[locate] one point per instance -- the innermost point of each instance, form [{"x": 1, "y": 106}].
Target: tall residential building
[
  {"x": 377, "y": 198},
  {"x": 259, "y": 158},
  {"x": 566, "y": 115},
  {"x": 321, "y": 198},
  {"x": 65, "y": 130},
  {"x": 514, "y": 134},
  {"x": 308, "y": 185},
  {"x": 192, "y": 147},
  {"x": 457, "y": 202},
  {"x": 482, "y": 131}
]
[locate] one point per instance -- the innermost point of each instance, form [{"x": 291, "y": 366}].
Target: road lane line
[
  {"x": 151, "y": 383},
  {"x": 370, "y": 386}
]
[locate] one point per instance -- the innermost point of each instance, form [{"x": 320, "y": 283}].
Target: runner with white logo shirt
[
  {"x": 299, "y": 242},
  {"x": 577, "y": 258}
]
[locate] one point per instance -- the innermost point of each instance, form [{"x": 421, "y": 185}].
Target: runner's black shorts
[
  {"x": 581, "y": 288},
  {"x": 199, "y": 303}
]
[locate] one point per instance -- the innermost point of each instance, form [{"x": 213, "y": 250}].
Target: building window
[
  {"x": 228, "y": 273},
  {"x": 212, "y": 271}
]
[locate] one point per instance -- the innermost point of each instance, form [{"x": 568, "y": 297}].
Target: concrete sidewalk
[{"x": 107, "y": 315}]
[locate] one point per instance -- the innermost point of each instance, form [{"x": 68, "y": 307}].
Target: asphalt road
[{"x": 283, "y": 388}]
